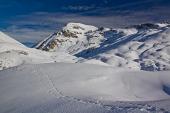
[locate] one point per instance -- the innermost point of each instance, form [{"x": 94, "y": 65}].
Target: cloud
[
  {"x": 36, "y": 26},
  {"x": 77, "y": 8},
  {"x": 27, "y": 34}
]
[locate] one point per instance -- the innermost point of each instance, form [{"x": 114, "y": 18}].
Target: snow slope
[
  {"x": 81, "y": 88},
  {"x": 141, "y": 47},
  {"x": 6, "y": 38},
  {"x": 13, "y": 53}
]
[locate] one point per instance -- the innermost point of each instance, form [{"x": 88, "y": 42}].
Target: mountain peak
[
  {"x": 79, "y": 28},
  {"x": 139, "y": 47}
]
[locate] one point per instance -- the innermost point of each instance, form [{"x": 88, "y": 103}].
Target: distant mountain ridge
[{"x": 145, "y": 46}]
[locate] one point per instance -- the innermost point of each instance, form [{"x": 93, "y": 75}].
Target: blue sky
[{"x": 33, "y": 20}]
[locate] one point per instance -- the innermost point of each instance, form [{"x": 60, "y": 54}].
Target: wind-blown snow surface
[{"x": 81, "y": 88}]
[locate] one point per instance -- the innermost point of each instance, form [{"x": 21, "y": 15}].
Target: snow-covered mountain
[
  {"x": 141, "y": 47},
  {"x": 145, "y": 46}
]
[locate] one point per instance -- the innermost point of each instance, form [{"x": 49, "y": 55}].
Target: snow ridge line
[{"x": 44, "y": 42}]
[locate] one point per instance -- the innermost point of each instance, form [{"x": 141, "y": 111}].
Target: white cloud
[
  {"x": 27, "y": 34},
  {"x": 78, "y": 8}
]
